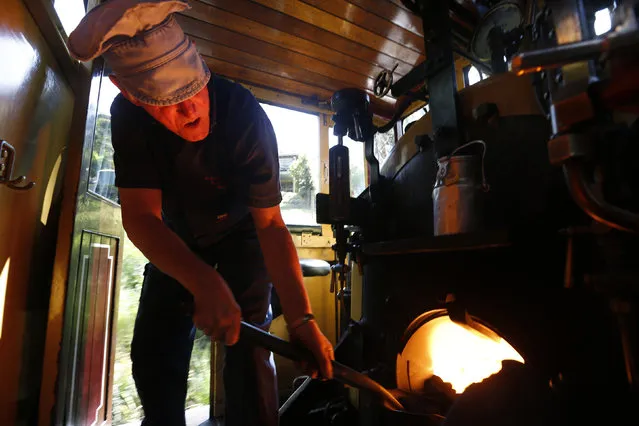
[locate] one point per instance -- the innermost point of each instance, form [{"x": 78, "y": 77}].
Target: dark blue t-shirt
[{"x": 207, "y": 186}]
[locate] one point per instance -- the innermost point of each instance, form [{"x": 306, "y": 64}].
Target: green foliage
[
  {"x": 301, "y": 172},
  {"x": 358, "y": 183},
  {"x": 102, "y": 152},
  {"x": 383, "y": 144},
  {"x": 126, "y": 403},
  {"x": 199, "y": 373},
  {"x": 132, "y": 267}
]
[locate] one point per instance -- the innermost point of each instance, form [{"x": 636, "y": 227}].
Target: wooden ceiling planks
[
  {"x": 258, "y": 31},
  {"x": 340, "y": 26},
  {"x": 270, "y": 66},
  {"x": 359, "y": 17},
  {"x": 400, "y": 16},
  {"x": 307, "y": 47},
  {"x": 221, "y": 36},
  {"x": 319, "y": 42},
  {"x": 243, "y": 74}
]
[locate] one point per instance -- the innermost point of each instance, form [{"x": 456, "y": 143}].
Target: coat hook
[{"x": 7, "y": 160}]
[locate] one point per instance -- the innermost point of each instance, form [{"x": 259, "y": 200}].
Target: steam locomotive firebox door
[{"x": 434, "y": 345}]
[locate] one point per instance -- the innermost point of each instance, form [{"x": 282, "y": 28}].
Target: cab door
[
  {"x": 87, "y": 340},
  {"x": 72, "y": 382},
  {"x": 37, "y": 100}
]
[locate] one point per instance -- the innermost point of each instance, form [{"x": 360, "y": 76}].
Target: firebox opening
[{"x": 458, "y": 355}]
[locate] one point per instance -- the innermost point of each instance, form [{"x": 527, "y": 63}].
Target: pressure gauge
[{"x": 505, "y": 16}]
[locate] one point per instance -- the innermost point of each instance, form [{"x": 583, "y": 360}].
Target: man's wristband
[{"x": 300, "y": 322}]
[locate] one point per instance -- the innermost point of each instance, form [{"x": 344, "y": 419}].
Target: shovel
[{"x": 341, "y": 373}]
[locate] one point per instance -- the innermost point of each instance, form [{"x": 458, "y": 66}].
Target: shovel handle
[
  {"x": 341, "y": 373},
  {"x": 259, "y": 337}
]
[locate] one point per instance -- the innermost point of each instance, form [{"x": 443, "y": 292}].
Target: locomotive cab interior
[{"x": 460, "y": 178}]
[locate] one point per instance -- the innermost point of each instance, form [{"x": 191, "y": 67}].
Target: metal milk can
[{"x": 459, "y": 191}]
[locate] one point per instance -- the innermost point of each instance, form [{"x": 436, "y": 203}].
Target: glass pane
[
  {"x": 473, "y": 76},
  {"x": 356, "y": 162},
  {"x": 603, "y": 22},
  {"x": 384, "y": 142},
  {"x": 127, "y": 408},
  {"x": 413, "y": 117},
  {"x": 102, "y": 172},
  {"x": 298, "y": 144},
  {"x": 70, "y": 13},
  {"x": 88, "y": 331}
]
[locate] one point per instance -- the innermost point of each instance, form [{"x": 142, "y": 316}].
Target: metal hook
[
  {"x": 7, "y": 160},
  {"x": 13, "y": 184}
]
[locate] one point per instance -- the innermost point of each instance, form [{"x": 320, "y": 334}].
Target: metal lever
[{"x": 7, "y": 160}]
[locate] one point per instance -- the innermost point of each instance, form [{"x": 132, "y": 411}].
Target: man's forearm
[
  {"x": 283, "y": 266},
  {"x": 166, "y": 250}
]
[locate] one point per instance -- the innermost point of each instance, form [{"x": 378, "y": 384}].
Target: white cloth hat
[{"x": 145, "y": 47}]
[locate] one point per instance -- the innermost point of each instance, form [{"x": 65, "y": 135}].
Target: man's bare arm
[
  {"x": 216, "y": 311},
  {"x": 142, "y": 219},
  {"x": 282, "y": 262},
  {"x": 283, "y": 265}
]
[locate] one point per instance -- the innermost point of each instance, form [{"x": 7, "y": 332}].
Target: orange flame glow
[{"x": 462, "y": 356}]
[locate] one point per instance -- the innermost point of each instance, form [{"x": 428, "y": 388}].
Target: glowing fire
[
  {"x": 456, "y": 354},
  {"x": 462, "y": 356}
]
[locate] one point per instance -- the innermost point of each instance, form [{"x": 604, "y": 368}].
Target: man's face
[{"x": 189, "y": 119}]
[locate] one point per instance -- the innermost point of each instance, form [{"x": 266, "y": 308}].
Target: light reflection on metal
[
  {"x": 458, "y": 355},
  {"x": 4, "y": 276}
]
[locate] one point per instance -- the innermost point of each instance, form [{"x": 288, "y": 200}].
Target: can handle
[{"x": 484, "y": 185}]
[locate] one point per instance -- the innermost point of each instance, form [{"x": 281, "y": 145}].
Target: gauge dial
[{"x": 506, "y": 16}]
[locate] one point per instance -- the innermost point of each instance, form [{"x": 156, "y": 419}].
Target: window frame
[
  {"x": 305, "y": 229},
  {"x": 305, "y": 236},
  {"x": 466, "y": 69},
  {"x": 49, "y": 23}
]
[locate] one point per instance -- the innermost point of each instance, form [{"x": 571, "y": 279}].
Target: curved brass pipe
[{"x": 594, "y": 206}]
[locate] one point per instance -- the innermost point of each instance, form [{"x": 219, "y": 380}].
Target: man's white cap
[{"x": 145, "y": 47}]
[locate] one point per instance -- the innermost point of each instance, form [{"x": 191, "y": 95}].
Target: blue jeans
[{"x": 163, "y": 340}]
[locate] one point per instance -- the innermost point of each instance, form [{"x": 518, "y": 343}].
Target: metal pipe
[
  {"x": 595, "y": 207},
  {"x": 569, "y": 53}
]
